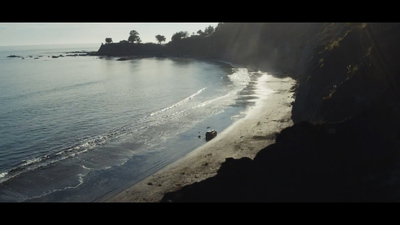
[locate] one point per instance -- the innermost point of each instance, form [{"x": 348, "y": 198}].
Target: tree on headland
[
  {"x": 207, "y": 31},
  {"x": 200, "y": 32},
  {"x": 134, "y": 37},
  {"x": 160, "y": 38},
  {"x": 109, "y": 40},
  {"x": 179, "y": 35}
]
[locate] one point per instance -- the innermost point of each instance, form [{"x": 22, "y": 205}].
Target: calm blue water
[{"x": 77, "y": 128}]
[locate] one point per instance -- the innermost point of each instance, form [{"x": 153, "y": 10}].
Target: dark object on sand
[{"x": 210, "y": 135}]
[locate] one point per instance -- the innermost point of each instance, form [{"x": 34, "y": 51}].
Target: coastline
[{"x": 244, "y": 138}]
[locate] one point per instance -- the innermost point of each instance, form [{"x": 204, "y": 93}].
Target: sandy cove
[{"x": 244, "y": 138}]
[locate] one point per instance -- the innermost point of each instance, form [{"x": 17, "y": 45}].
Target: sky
[{"x": 15, "y": 33}]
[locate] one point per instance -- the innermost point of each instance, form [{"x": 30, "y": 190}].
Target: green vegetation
[
  {"x": 134, "y": 37},
  {"x": 160, "y": 38},
  {"x": 109, "y": 40},
  {"x": 333, "y": 45},
  {"x": 179, "y": 35},
  {"x": 207, "y": 31},
  {"x": 332, "y": 91},
  {"x": 321, "y": 62}
]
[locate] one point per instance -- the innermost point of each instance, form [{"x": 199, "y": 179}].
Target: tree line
[
  {"x": 267, "y": 45},
  {"x": 135, "y": 38}
]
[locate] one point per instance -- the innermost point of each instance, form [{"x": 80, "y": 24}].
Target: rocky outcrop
[
  {"x": 210, "y": 135},
  {"x": 131, "y": 49}
]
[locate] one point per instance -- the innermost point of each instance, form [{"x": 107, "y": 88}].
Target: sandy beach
[{"x": 244, "y": 138}]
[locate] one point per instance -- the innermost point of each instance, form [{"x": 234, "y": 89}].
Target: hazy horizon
[{"x": 23, "y": 34}]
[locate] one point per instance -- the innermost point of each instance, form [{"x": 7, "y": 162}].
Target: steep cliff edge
[
  {"x": 344, "y": 145},
  {"x": 350, "y": 69}
]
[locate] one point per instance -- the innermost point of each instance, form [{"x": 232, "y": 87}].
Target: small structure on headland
[{"x": 211, "y": 134}]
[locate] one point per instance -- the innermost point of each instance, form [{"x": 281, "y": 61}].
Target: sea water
[{"x": 75, "y": 128}]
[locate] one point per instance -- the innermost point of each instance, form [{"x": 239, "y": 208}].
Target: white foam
[
  {"x": 84, "y": 167},
  {"x": 261, "y": 89},
  {"x": 80, "y": 182},
  {"x": 262, "y": 92},
  {"x": 240, "y": 78},
  {"x": 3, "y": 174},
  {"x": 178, "y": 103},
  {"x": 205, "y": 103},
  {"x": 229, "y": 63},
  {"x": 32, "y": 161}
]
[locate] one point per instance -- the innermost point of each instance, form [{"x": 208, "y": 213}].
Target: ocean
[{"x": 76, "y": 128}]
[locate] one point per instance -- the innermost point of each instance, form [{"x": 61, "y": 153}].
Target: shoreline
[{"x": 244, "y": 138}]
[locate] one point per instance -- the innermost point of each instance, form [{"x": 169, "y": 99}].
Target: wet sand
[{"x": 244, "y": 138}]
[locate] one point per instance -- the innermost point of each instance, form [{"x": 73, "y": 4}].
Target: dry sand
[{"x": 244, "y": 138}]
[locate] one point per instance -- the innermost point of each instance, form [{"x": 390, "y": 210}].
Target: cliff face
[
  {"x": 351, "y": 68},
  {"x": 345, "y": 143}
]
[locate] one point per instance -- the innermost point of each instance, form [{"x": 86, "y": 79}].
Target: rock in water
[{"x": 211, "y": 134}]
